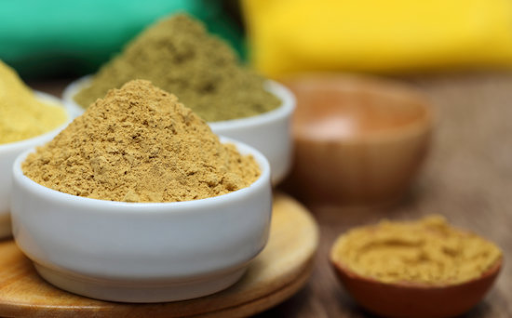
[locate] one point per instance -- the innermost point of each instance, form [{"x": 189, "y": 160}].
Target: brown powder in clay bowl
[{"x": 139, "y": 144}]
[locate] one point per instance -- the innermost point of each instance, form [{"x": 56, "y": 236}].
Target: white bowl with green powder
[
  {"x": 10, "y": 150},
  {"x": 142, "y": 252},
  {"x": 269, "y": 132},
  {"x": 69, "y": 93}
]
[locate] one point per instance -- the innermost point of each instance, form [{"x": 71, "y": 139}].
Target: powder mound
[
  {"x": 428, "y": 251},
  {"x": 178, "y": 55},
  {"x": 139, "y": 144},
  {"x": 22, "y": 115}
]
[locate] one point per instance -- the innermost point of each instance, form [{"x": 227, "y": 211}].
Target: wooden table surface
[{"x": 467, "y": 178}]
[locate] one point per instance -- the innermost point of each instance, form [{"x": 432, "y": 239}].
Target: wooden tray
[{"x": 277, "y": 273}]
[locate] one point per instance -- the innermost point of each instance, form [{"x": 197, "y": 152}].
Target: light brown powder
[
  {"x": 139, "y": 144},
  {"x": 427, "y": 251}
]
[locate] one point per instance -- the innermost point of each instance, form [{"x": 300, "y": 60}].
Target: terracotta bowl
[
  {"x": 415, "y": 301},
  {"x": 358, "y": 141}
]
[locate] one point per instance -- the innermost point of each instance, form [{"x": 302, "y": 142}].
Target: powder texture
[
  {"x": 179, "y": 56},
  {"x": 139, "y": 144},
  {"x": 22, "y": 115},
  {"x": 427, "y": 251}
]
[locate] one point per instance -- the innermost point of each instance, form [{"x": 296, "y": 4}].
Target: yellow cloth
[{"x": 392, "y": 36}]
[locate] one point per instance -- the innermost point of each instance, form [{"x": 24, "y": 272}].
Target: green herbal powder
[{"x": 179, "y": 56}]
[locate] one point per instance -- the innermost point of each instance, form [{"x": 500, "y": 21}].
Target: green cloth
[{"x": 60, "y": 37}]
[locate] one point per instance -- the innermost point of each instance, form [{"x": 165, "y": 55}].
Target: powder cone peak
[{"x": 139, "y": 144}]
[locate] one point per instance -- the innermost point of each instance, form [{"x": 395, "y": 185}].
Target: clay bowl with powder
[
  {"x": 359, "y": 141},
  {"x": 403, "y": 298},
  {"x": 8, "y": 153},
  {"x": 142, "y": 252},
  {"x": 269, "y": 132}
]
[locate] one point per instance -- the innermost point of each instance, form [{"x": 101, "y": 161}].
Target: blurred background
[{"x": 56, "y": 38}]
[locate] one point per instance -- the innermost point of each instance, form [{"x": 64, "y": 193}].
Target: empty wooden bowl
[
  {"x": 415, "y": 301},
  {"x": 358, "y": 141}
]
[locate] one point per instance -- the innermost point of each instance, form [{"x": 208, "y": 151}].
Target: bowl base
[{"x": 136, "y": 291}]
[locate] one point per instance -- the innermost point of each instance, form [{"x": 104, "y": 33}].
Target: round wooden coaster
[
  {"x": 5, "y": 226},
  {"x": 277, "y": 273}
]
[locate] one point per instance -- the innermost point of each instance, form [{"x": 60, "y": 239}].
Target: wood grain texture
[
  {"x": 278, "y": 272},
  {"x": 467, "y": 177}
]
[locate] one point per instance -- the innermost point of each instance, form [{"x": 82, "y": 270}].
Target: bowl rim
[
  {"x": 339, "y": 266},
  {"x": 123, "y": 208},
  {"x": 288, "y": 104},
  {"x": 491, "y": 271},
  {"x": 20, "y": 144},
  {"x": 384, "y": 87}
]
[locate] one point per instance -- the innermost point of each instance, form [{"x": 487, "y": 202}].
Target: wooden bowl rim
[
  {"x": 383, "y": 86},
  {"x": 491, "y": 271}
]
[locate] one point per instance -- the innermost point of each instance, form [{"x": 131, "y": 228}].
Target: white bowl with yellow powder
[
  {"x": 11, "y": 149},
  {"x": 142, "y": 252},
  {"x": 269, "y": 132}
]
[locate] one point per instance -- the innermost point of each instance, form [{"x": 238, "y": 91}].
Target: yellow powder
[
  {"x": 22, "y": 116},
  {"x": 427, "y": 251},
  {"x": 139, "y": 144}
]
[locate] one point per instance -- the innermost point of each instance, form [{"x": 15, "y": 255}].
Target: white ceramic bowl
[
  {"x": 270, "y": 132},
  {"x": 8, "y": 153},
  {"x": 141, "y": 252},
  {"x": 69, "y": 93}
]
